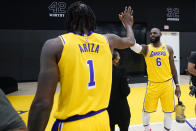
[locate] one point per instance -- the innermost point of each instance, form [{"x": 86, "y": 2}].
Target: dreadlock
[{"x": 80, "y": 16}]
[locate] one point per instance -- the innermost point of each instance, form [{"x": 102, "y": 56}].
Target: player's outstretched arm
[{"x": 140, "y": 49}]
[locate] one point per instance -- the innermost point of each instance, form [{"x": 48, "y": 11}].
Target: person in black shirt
[
  {"x": 192, "y": 69},
  {"x": 118, "y": 109}
]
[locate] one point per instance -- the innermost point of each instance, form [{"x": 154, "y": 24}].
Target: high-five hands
[{"x": 126, "y": 17}]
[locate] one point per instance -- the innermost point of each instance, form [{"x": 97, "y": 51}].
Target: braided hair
[{"x": 80, "y": 16}]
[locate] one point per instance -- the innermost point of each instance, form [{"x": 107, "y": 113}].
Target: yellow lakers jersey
[
  {"x": 85, "y": 74},
  {"x": 157, "y": 62}
]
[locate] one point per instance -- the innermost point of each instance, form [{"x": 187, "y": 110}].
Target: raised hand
[{"x": 126, "y": 17}]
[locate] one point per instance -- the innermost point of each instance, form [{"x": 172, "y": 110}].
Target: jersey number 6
[{"x": 158, "y": 61}]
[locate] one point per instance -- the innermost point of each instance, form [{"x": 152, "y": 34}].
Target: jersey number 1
[{"x": 91, "y": 83}]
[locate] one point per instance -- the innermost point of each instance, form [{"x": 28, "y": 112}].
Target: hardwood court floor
[{"x": 22, "y": 99}]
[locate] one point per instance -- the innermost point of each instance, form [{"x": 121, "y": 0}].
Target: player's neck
[
  {"x": 157, "y": 44},
  {"x": 84, "y": 31}
]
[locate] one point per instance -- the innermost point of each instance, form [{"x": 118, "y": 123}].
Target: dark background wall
[
  {"x": 26, "y": 25},
  {"x": 187, "y": 44},
  {"x": 32, "y": 14},
  {"x": 20, "y": 52}
]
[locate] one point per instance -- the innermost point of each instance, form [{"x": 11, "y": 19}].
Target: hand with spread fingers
[{"x": 126, "y": 17}]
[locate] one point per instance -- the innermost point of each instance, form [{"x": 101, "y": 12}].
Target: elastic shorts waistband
[
  {"x": 161, "y": 81},
  {"x": 74, "y": 118},
  {"x": 78, "y": 117}
]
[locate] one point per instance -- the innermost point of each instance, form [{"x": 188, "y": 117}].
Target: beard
[{"x": 155, "y": 40}]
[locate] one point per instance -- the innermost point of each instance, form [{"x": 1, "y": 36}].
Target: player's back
[{"x": 85, "y": 74}]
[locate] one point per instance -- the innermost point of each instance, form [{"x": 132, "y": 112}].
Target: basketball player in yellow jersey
[
  {"x": 82, "y": 61},
  {"x": 161, "y": 71}
]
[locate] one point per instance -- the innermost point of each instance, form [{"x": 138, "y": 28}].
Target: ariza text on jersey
[{"x": 90, "y": 47}]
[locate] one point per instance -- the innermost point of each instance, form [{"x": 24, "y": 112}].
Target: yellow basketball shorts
[
  {"x": 98, "y": 122},
  {"x": 163, "y": 91}
]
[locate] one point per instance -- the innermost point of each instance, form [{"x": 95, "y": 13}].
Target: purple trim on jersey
[
  {"x": 148, "y": 84},
  {"x": 55, "y": 126},
  {"x": 150, "y": 111},
  {"x": 145, "y": 96},
  {"x": 74, "y": 118},
  {"x": 90, "y": 33},
  {"x": 168, "y": 112},
  {"x": 162, "y": 81},
  {"x": 78, "y": 117},
  {"x": 173, "y": 95},
  {"x": 173, "y": 99},
  {"x": 62, "y": 38},
  {"x": 60, "y": 126},
  {"x": 83, "y": 34}
]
